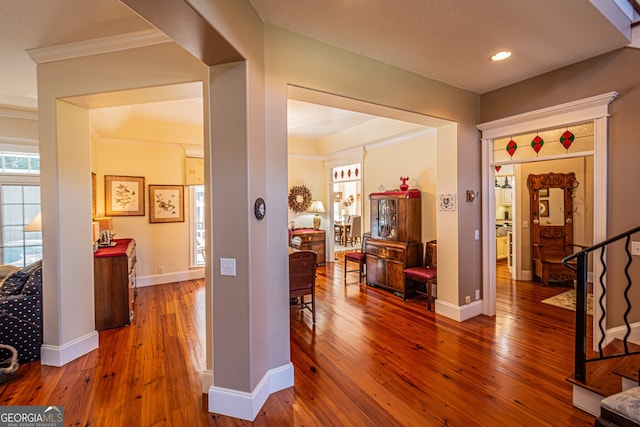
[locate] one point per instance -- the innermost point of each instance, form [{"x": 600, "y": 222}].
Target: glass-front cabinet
[{"x": 395, "y": 242}]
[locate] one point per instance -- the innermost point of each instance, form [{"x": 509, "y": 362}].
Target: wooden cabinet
[
  {"x": 502, "y": 247},
  {"x": 386, "y": 262},
  {"x": 312, "y": 240},
  {"x": 396, "y": 216},
  {"x": 114, "y": 281},
  {"x": 395, "y": 243}
]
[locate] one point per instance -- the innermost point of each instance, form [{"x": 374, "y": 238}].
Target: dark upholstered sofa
[{"x": 21, "y": 312}]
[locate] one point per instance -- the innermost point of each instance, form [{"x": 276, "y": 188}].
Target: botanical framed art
[
  {"x": 124, "y": 195},
  {"x": 166, "y": 203}
]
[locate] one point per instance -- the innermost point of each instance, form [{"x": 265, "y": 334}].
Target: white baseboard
[
  {"x": 459, "y": 313},
  {"x": 177, "y": 276},
  {"x": 51, "y": 355},
  {"x": 246, "y": 405}
]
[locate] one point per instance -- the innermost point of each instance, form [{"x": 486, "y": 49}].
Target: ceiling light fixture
[{"x": 501, "y": 56}]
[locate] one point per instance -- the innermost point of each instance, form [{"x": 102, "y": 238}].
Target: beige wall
[
  {"x": 65, "y": 184},
  {"x": 416, "y": 159},
  {"x": 301, "y": 62},
  {"x": 614, "y": 71},
  {"x": 159, "y": 245}
]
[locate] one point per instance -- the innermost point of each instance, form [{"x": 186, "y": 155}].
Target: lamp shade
[
  {"x": 106, "y": 223},
  {"x": 317, "y": 206},
  {"x": 35, "y": 224}
]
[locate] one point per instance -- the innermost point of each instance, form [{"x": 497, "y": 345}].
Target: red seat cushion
[
  {"x": 420, "y": 274},
  {"x": 355, "y": 256}
]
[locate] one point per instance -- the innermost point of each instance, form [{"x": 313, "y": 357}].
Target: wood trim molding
[{"x": 115, "y": 43}]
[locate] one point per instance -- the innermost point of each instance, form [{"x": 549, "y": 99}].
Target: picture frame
[
  {"x": 166, "y": 203},
  {"x": 447, "y": 202},
  {"x": 124, "y": 195},
  {"x": 544, "y": 208},
  {"x": 543, "y": 192},
  {"x": 94, "y": 185}
]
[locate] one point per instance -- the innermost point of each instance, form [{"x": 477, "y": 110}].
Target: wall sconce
[{"x": 471, "y": 195}]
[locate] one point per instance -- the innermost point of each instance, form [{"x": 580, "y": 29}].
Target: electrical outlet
[
  {"x": 477, "y": 294},
  {"x": 467, "y": 299},
  {"x": 227, "y": 266},
  {"x": 476, "y": 234},
  {"x": 525, "y": 224},
  {"x": 635, "y": 248},
  {"x": 160, "y": 270}
]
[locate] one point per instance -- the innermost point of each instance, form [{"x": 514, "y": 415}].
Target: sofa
[{"x": 21, "y": 312}]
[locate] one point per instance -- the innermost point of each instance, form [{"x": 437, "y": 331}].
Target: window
[
  {"x": 196, "y": 201},
  {"x": 19, "y": 163},
  {"x": 20, "y": 204}
]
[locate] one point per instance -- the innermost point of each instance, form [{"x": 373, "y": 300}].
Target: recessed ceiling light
[{"x": 501, "y": 56}]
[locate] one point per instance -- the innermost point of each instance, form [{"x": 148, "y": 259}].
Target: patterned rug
[
  {"x": 350, "y": 248},
  {"x": 568, "y": 300}
]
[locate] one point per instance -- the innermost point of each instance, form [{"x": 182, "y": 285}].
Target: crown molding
[
  {"x": 18, "y": 114},
  {"x": 109, "y": 44}
]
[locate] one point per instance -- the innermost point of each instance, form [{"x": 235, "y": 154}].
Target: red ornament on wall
[
  {"x": 511, "y": 147},
  {"x": 357, "y": 171},
  {"x": 566, "y": 139},
  {"x": 349, "y": 173},
  {"x": 498, "y": 168}
]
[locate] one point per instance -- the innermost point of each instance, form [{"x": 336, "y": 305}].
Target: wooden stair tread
[
  {"x": 600, "y": 378},
  {"x": 604, "y": 376}
]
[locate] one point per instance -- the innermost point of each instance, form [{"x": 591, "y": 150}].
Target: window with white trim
[
  {"x": 20, "y": 203},
  {"x": 197, "y": 233}
]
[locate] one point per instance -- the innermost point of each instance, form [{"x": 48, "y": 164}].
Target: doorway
[{"x": 496, "y": 151}]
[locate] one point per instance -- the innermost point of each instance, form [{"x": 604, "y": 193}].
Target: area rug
[
  {"x": 568, "y": 300},
  {"x": 350, "y": 248}
]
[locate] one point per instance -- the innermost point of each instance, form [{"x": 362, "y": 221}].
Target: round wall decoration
[
  {"x": 259, "y": 208},
  {"x": 299, "y": 198}
]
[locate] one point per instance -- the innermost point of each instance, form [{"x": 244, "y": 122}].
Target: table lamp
[{"x": 317, "y": 207}]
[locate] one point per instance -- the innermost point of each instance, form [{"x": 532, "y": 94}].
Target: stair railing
[{"x": 581, "y": 269}]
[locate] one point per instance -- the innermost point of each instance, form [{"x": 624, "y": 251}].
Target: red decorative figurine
[{"x": 404, "y": 186}]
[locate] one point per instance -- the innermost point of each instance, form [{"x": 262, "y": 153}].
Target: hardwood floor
[{"x": 370, "y": 360}]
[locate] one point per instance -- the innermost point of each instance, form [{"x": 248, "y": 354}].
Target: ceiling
[{"x": 448, "y": 41}]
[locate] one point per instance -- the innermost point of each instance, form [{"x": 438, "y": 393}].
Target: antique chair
[
  {"x": 359, "y": 257},
  {"x": 296, "y": 242},
  {"x": 426, "y": 274},
  {"x": 302, "y": 280},
  {"x": 355, "y": 229}
]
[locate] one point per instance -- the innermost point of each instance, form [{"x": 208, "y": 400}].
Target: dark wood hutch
[{"x": 396, "y": 239}]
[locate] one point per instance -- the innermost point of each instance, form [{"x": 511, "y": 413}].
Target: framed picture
[
  {"x": 166, "y": 203},
  {"x": 93, "y": 194},
  {"x": 544, "y": 208},
  {"x": 543, "y": 192},
  {"x": 447, "y": 202},
  {"x": 124, "y": 195}
]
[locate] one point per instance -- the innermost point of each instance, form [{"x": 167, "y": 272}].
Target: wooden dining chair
[
  {"x": 302, "y": 280},
  {"x": 359, "y": 257},
  {"x": 426, "y": 274}
]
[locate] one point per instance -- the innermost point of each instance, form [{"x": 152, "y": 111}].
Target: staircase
[{"x": 613, "y": 366}]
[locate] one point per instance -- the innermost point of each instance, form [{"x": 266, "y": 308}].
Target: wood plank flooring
[{"x": 370, "y": 360}]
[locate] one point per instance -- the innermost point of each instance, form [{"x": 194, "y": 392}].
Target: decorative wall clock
[{"x": 259, "y": 208}]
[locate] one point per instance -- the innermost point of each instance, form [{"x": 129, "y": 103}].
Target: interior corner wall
[
  {"x": 298, "y": 61},
  {"x": 157, "y": 65},
  {"x": 613, "y": 71}
]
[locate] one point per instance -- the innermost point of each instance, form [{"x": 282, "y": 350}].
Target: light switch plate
[
  {"x": 635, "y": 248},
  {"x": 227, "y": 266}
]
